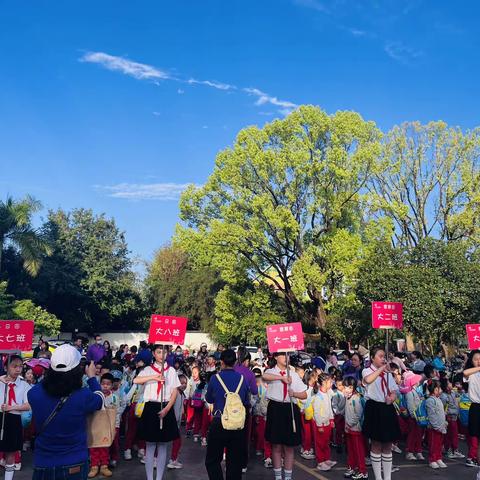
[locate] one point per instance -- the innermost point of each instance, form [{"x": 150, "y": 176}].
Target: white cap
[{"x": 65, "y": 358}]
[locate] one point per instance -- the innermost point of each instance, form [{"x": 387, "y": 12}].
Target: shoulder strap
[
  {"x": 57, "y": 408},
  {"x": 239, "y": 384},
  {"x": 219, "y": 378}
]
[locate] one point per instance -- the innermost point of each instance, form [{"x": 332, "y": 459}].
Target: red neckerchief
[
  {"x": 285, "y": 386},
  {"x": 11, "y": 394},
  {"x": 160, "y": 384},
  {"x": 383, "y": 382}
]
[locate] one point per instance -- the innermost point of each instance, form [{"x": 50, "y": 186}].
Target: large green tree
[
  {"x": 16, "y": 230},
  {"x": 283, "y": 208}
]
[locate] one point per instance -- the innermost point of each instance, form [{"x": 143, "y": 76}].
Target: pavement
[{"x": 192, "y": 455}]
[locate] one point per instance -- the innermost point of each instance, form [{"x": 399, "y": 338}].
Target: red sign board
[
  {"x": 387, "y": 315},
  {"x": 473, "y": 336},
  {"x": 16, "y": 335},
  {"x": 286, "y": 337},
  {"x": 167, "y": 330}
]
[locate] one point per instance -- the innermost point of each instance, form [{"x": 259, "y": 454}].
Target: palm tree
[{"x": 16, "y": 229}]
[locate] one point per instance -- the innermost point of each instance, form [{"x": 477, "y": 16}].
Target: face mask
[{"x": 99, "y": 342}]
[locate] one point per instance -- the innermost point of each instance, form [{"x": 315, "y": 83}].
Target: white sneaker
[
  {"x": 307, "y": 455},
  {"x": 141, "y": 453},
  {"x": 17, "y": 467},
  {"x": 434, "y": 465},
  {"x": 113, "y": 463},
  {"x": 420, "y": 456},
  {"x": 174, "y": 464},
  {"x": 324, "y": 467},
  {"x": 330, "y": 463},
  {"x": 127, "y": 454},
  {"x": 204, "y": 442},
  {"x": 244, "y": 470},
  {"x": 410, "y": 456},
  {"x": 458, "y": 454},
  {"x": 26, "y": 446},
  {"x": 441, "y": 464},
  {"x": 267, "y": 463},
  {"x": 195, "y": 438},
  {"x": 258, "y": 453},
  {"x": 395, "y": 449}
]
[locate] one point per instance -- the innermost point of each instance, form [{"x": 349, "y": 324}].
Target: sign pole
[
  {"x": 4, "y": 402},
  {"x": 162, "y": 391},
  {"x": 294, "y": 426},
  {"x": 387, "y": 344}
]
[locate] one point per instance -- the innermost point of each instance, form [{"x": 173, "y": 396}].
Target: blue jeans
[{"x": 79, "y": 471}]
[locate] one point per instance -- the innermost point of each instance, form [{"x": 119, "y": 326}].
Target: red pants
[
  {"x": 307, "y": 433},
  {"x": 322, "y": 443},
  {"x": 99, "y": 456},
  {"x": 259, "y": 436},
  {"x": 339, "y": 429},
  {"x": 451, "y": 438},
  {"x": 414, "y": 437},
  {"x": 176, "y": 444},
  {"x": 206, "y": 421},
  {"x": 356, "y": 451},
  {"x": 472, "y": 443},
  {"x": 404, "y": 424},
  {"x": 435, "y": 443},
  {"x": 131, "y": 435},
  {"x": 115, "y": 447},
  {"x": 194, "y": 419}
]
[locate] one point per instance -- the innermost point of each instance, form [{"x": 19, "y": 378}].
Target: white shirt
[
  {"x": 474, "y": 387},
  {"x": 381, "y": 387},
  {"x": 275, "y": 388},
  {"x": 21, "y": 389},
  {"x": 151, "y": 392}
]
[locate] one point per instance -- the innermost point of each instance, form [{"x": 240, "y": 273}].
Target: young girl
[
  {"x": 450, "y": 400},
  {"x": 380, "y": 419},
  {"x": 13, "y": 397},
  {"x": 437, "y": 424},
  {"x": 415, "y": 433},
  {"x": 179, "y": 408},
  {"x": 338, "y": 407},
  {"x": 194, "y": 415},
  {"x": 323, "y": 417},
  {"x": 279, "y": 431},
  {"x": 308, "y": 432},
  {"x": 354, "y": 406},
  {"x": 158, "y": 425},
  {"x": 472, "y": 375}
]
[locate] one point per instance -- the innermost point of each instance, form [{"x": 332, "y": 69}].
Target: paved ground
[{"x": 192, "y": 456}]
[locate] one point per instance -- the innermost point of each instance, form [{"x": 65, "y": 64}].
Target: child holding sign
[{"x": 282, "y": 387}]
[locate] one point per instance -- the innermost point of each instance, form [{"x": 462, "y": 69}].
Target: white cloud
[
  {"x": 265, "y": 99},
  {"x": 140, "y": 71},
  {"x": 145, "y": 191},
  {"x": 180, "y": 91},
  {"x": 157, "y": 114},
  {"x": 401, "y": 53},
  {"x": 213, "y": 84}
]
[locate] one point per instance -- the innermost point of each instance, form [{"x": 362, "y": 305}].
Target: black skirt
[
  {"x": 279, "y": 427},
  {"x": 149, "y": 424},
  {"x": 381, "y": 422},
  {"x": 12, "y": 433},
  {"x": 474, "y": 420}
]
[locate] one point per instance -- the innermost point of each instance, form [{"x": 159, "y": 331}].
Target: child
[
  {"x": 197, "y": 404},
  {"x": 161, "y": 384},
  {"x": 354, "y": 405},
  {"x": 450, "y": 400},
  {"x": 179, "y": 408},
  {"x": 260, "y": 405},
  {"x": 100, "y": 456},
  {"x": 13, "y": 397},
  {"x": 323, "y": 417},
  {"x": 194, "y": 417},
  {"x": 308, "y": 432},
  {"x": 207, "y": 411},
  {"x": 415, "y": 433},
  {"x": 437, "y": 424},
  {"x": 396, "y": 372},
  {"x": 338, "y": 407}
]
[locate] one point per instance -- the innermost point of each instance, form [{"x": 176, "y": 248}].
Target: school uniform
[
  {"x": 474, "y": 411},
  {"x": 13, "y": 393},
  {"x": 149, "y": 424},
  {"x": 323, "y": 417},
  {"x": 178, "y": 408},
  {"x": 437, "y": 427},
  {"x": 415, "y": 432},
  {"x": 353, "y": 433},
  {"x": 279, "y": 427},
  {"x": 380, "y": 419},
  {"x": 308, "y": 431},
  {"x": 338, "y": 406},
  {"x": 260, "y": 407}
]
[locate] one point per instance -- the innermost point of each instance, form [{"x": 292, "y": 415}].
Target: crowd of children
[{"x": 369, "y": 412}]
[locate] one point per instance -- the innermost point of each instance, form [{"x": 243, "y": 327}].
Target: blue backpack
[
  {"x": 465, "y": 403},
  {"x": 421, "y": 414}
]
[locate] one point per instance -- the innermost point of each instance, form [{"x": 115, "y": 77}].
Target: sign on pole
[
  {"x": 387, "y": 315},
  {"x": 473, "y": 335},
  {"x": 16, "y": 335},
  {"x": 166, "y": 330},
  {"x": 286, "y": 337}
]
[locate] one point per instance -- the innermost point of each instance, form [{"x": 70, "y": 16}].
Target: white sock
[
  {"x": 387, "y": 466},
  {"x": 9, "y": 472},
  {"x": 287, "y": 474},
  {"x": 376, "y": 459},
  {"x": 161, "y": 459},
  {"x": 149, "y": 459},
  {"x": 278, "y": 473}
]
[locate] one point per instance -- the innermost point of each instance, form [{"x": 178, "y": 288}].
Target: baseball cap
[{"x": 65, "y": 358}]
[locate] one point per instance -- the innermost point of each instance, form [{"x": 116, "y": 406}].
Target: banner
[
  {"x": 286, "y": 337},
  {"x": 167, "y": 330},
  {"x": 473, "y": 335},
  {"x": 16, "y": 335},
  {"x": 387, "y": 315}
]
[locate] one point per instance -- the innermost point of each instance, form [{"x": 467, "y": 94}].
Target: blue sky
[{"x": 116, "y": 105}]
